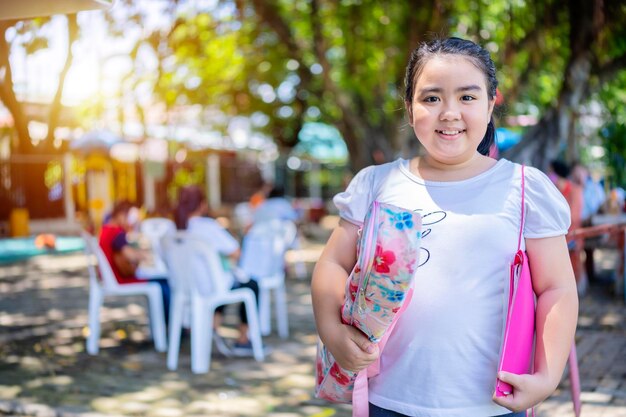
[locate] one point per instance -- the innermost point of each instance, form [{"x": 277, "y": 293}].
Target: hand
[
  {"x": 145, "y": 255},
  {"x": 351, "y": 348},
  {"x": 528, "y": 391}
]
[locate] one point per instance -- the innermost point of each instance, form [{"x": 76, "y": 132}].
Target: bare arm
[
  {"x": 556, "y": 318},
  {"x": 134, "y": 255},
  {"x": 349, "y": 346}
]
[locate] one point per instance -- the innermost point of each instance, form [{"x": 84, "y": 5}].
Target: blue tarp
[
  {"x": 19, "y": 249},
  {"x": 506, "y": 138},
  {"x": 321, "y": 142}
]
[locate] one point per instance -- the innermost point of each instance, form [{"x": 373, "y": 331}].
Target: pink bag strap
[
  {"x": 519, "y": 247},
  {"x": 521, "y": 227}
]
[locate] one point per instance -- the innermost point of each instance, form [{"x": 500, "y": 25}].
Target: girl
[{"x": 442, "y": 357}]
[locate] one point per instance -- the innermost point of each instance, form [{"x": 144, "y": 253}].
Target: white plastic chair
[
  {"x": 198, "y": 283},
  {"x": 263, "y": 258},
  {"x": 102, "y": 283},
  {"x": 154, "y": 228},
  {"x": 242, "y": 216}
]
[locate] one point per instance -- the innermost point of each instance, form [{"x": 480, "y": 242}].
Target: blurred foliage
[
  {"x": 188, "y": 174},
  {"x": 53, "y": 174},
  {"x": 288, "y": 62},
  {"x": 614, "y": 141},
  {"x": 613, "y": 133},
  {"x": 613, "y": 97},
  {"x": 285, "y": 62},
  {"x": 32, "y": 35}
]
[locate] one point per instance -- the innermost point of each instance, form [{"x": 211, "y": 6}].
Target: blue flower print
[
  {"x": 392, "y": 295},
  {"x": 403, "y": 220}
]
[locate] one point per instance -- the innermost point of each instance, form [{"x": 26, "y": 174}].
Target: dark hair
[
  {"x": 277, "y": 191},
  {"x": 560, "y": 168},
  {"x": 189, "y": 199},
  {"x": 120, "y": 207},
  {"x": 454, "y": 46}
]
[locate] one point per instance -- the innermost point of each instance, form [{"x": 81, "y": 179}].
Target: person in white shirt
[
  {"x": 192, "y": 214},
  {"x": 276, "y": 206},
  {"x": 442, "y": 358}
]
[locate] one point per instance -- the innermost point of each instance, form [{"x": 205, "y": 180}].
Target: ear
[{"x": 409, "y": 111}]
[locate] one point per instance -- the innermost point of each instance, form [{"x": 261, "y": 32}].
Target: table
[{"x": 612, "y": 224}]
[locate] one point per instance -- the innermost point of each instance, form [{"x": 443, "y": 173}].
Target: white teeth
[{"x": 450, "y": 132}]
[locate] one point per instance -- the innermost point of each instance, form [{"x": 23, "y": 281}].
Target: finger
[
  {"x": 509, "y": 378},
  {"x": 504, "y": 401},
  {"x": 362, "y": 341}
]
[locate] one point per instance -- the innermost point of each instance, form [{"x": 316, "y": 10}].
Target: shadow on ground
[{"x": 45, "y": 371}]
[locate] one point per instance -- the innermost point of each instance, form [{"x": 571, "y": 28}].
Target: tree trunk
[
  {"x": 56, "y": 105},
  {"x": 555, "y": 129},
  {"x": 7, "y": 94}
]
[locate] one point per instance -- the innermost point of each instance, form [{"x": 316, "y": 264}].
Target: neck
[{"x": 433, "y": 170}]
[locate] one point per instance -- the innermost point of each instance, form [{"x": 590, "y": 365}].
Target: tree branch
[
  {"x": 607, "y": 70},
  {"x": 270, "y": 15},
  {"x": 7, "y": 94},
  {"x": 56, "y": 106}
]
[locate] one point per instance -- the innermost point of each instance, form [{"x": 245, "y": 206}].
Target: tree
[
  {"x": 351, "y": 59},
  {"x": 593, "y": 53},
  {"x": 552, "y": 58},
  {"x": 31, "y": 43},
  {"x": 283, "y": 63}
]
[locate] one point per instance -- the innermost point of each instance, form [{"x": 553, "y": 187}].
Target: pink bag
[
  {"x": 388, "y": 255},
  {"x": 519, "y": 333}
]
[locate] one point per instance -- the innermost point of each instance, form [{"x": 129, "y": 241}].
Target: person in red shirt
[{"x": 122, "y": 256}]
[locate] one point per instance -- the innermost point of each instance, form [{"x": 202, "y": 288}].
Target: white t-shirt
[
  {"x": 442, "y": 357},
  {"x": 219, "y": 238},
  {"x": 213, "y": 232},
  {"x": 275, "y": 208}
]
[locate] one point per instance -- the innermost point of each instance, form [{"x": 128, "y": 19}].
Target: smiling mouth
[{"x": 450, "y": 132}]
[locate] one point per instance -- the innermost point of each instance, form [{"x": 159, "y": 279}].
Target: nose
[{"x": 450, "y": 112}]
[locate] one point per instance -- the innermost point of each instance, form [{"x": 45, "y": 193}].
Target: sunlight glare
[{"x": 81, "y": 83}]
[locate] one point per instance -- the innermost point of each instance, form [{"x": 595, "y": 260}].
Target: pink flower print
[
  {"x": 353, "y": 288},
  {"x": 383, "y": 259},
  {"x": 320, "y": 372},
  {"x": 339, "y": 375}
]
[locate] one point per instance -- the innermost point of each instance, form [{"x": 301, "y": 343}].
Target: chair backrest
[
  {"x": 154, "y": 228},
  {"x": 194, "y": 265},
  {"x": 264, "y": 247},
  {"x": 242, "y": 215},
  {"x": 104, "y": 275}
]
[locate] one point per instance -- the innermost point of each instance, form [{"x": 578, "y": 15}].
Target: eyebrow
[{"x": 471, "y": 87}]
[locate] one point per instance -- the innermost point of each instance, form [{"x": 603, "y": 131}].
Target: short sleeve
[
  {"x": 547, "y": 211},
  {"x": 119, "y": 241},
  {"x": 212, "y": 232},
  {"x": 355, "y": 200}
]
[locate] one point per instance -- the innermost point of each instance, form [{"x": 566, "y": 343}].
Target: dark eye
[
  {"x": 467, "y": 98},
  {"x": 431, "y": 99}
]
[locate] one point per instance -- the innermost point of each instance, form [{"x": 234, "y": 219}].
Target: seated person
[
  {"x": 260, "y": 195},
  {"x": 276, "y": 206},
  {"x": 122, "y": 256},
  {"x": 195, "y": 210}
]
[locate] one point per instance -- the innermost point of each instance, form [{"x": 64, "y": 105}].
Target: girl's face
[{"x": 450, "y": 109}]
